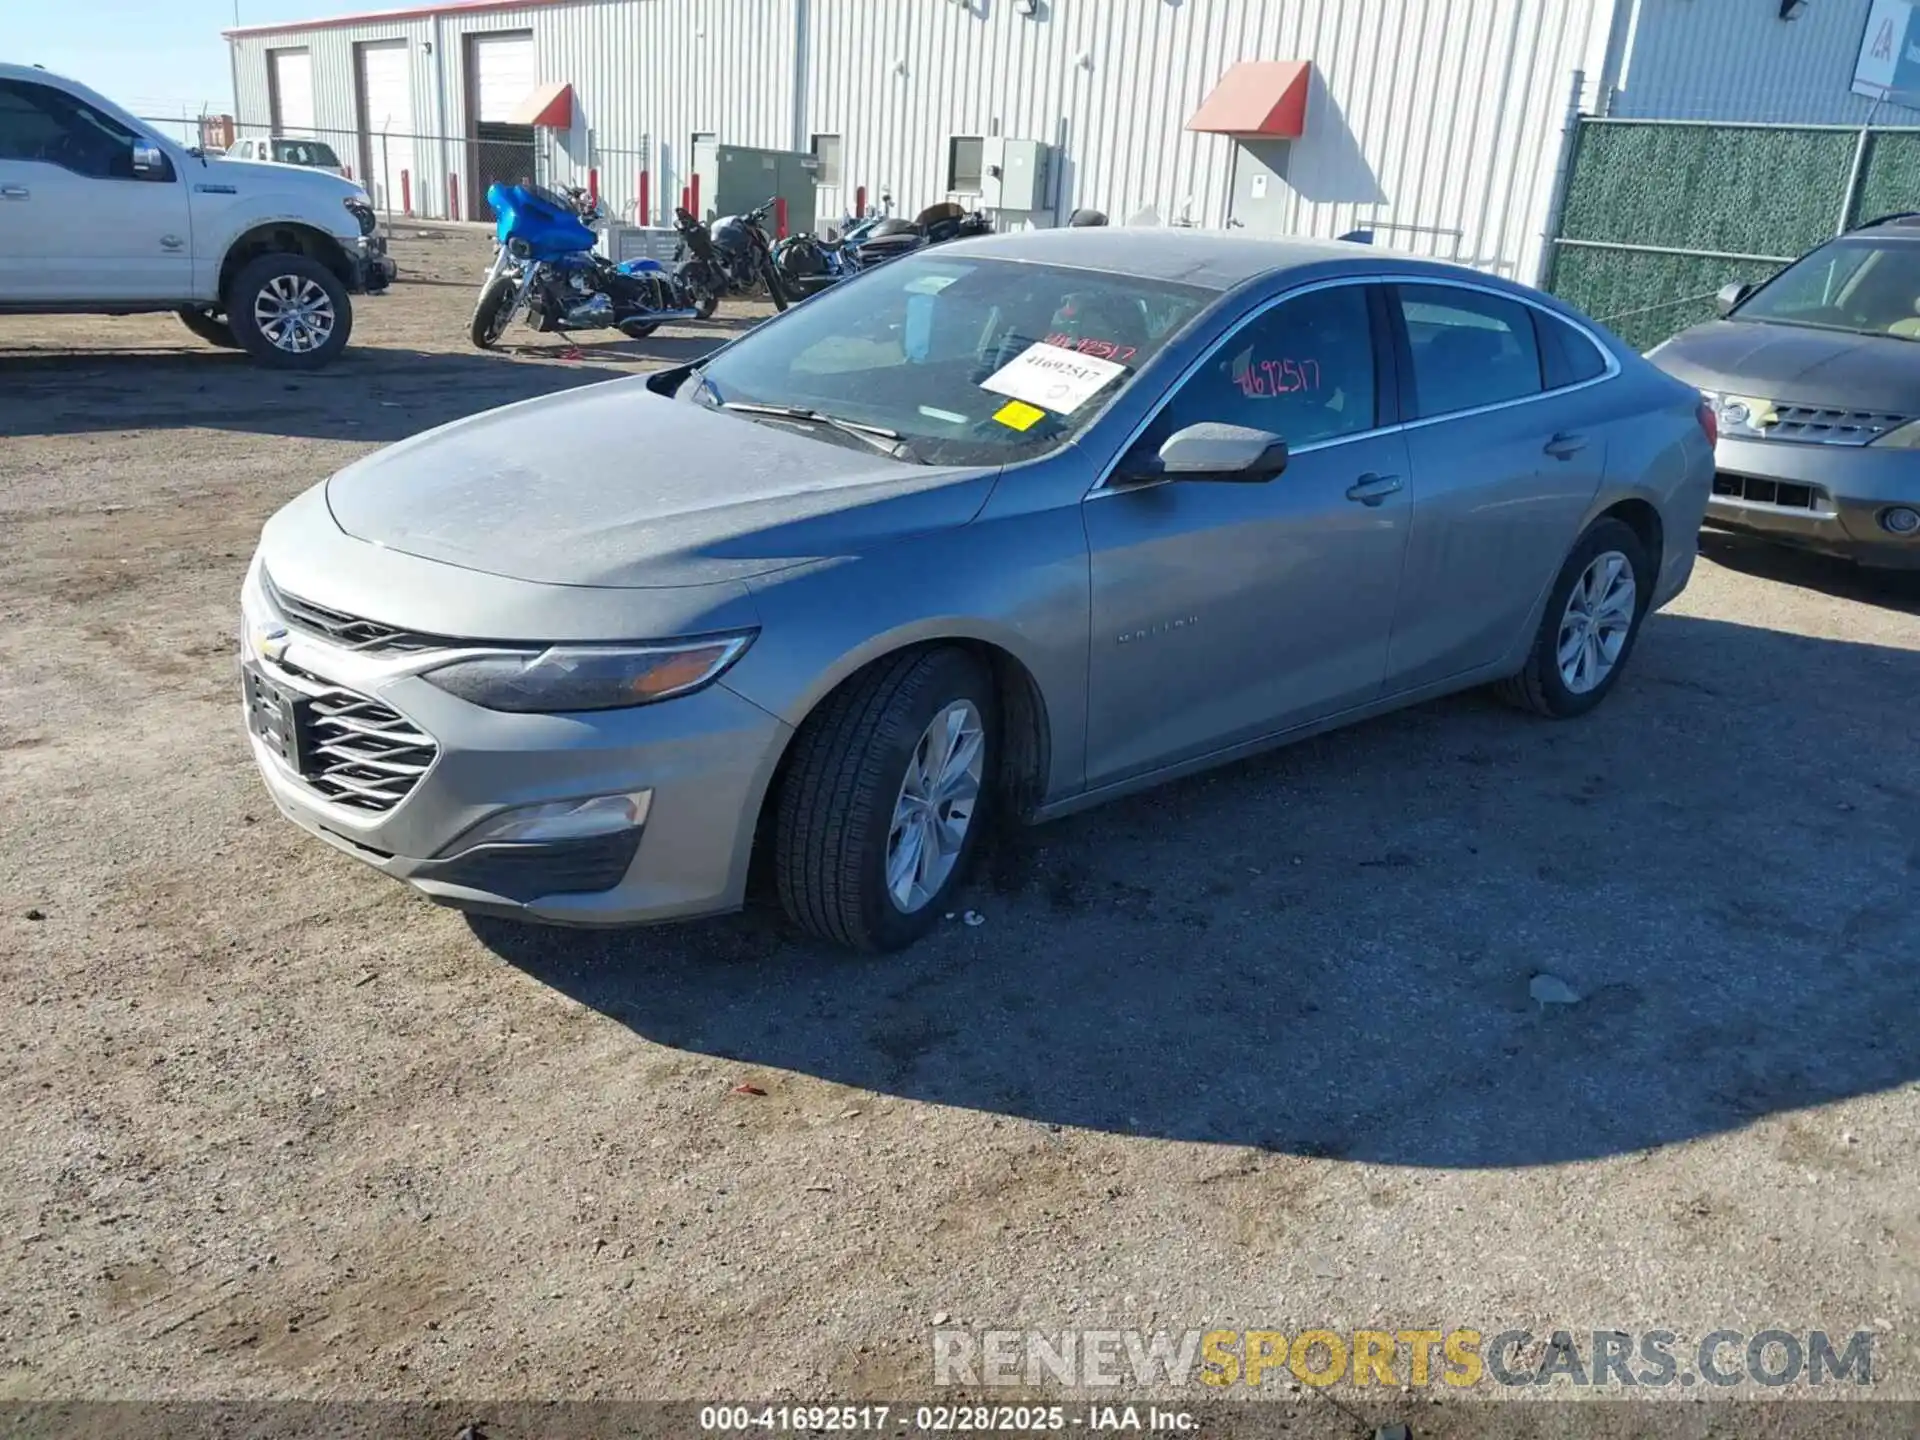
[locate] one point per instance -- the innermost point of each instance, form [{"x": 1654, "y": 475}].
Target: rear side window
[
  {"x": 1469, "y": 348},
  {"x": 1566, "y": 356}
]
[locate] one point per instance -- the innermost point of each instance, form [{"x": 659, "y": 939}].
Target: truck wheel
[
  {"x": 289, "y": 312},
  {"x": 492, "y": 312},
  {"x": 210, "y": 328}
]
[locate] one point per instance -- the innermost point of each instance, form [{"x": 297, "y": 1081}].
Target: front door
[
  {"x": 1260, "y": 199},
  {"x": 1223, "y": 612},
  {"x": 76, "y": 220}
]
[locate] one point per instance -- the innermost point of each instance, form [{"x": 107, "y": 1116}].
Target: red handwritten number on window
[
  {"x": 1266, "y": 378},
  {"x": 1099, "y": 349}
]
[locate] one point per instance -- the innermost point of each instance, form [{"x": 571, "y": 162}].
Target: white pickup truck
[{"x": 99, "y": 214}]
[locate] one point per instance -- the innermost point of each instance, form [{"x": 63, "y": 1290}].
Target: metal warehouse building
[{"x": 1441, "y": 126}]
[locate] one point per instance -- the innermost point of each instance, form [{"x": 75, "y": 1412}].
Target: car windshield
[
  {"x": 304, "y": 152},
  {"x": 1861, "y": 285},
  {"x": 964, "y": 361}
]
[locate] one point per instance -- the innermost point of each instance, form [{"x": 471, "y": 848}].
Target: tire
[
  {"x": 209, "y": 329},
  {"x": 777, "y": 288},
  {"x": 834, "y": 828},
  {"x": 1542, "y": 686},
  {"x": 276, "y": 279},
  {"x": 490, "y": 317}
]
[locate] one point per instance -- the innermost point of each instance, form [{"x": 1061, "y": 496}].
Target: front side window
[
  {"x": 305, "y": 152},
  {"x": 1469, "y": 348},
  {"x": 38, "y": 122},
  {"x": 967, "y": 361},
  {"x": 1303, "y": 370},
  {"x": 1858, "y": 284}
]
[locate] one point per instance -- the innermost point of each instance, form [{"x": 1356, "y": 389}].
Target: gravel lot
[{"x": 1256, "y": 1050}]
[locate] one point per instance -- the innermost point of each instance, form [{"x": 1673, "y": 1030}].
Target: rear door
[{"x": 1503, "y": 468}]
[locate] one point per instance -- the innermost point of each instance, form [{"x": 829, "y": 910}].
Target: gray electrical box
[{"x": 1024, "y": 178}]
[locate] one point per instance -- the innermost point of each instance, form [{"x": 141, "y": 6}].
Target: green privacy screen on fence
[{"x": 1741, "y": 198}]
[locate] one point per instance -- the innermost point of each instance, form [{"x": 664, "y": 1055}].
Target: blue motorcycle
[{"x": 544, "y": 263}]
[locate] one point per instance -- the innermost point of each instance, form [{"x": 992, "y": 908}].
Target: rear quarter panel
[{"x": 1658, "y": 453}]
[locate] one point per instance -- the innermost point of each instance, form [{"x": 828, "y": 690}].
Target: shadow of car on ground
[
  {"x": 1329, "y": 950},
  {"x": 1830, "y": 575}
]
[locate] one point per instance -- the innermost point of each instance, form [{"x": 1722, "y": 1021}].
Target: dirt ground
[{"x": 1257, "y": 1050}]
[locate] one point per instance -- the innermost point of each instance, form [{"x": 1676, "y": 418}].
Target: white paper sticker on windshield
[{"x": 1052, "y": 378}]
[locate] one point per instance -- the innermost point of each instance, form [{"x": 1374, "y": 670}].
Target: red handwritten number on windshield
[
  {"x": 1265, "y": 378},
  {"x": 1099, "y": 349}
]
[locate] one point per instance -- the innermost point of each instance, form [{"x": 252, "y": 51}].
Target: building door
[
  {"x": 500, "y": 74},
  {"x": 705, "y": 175},
  {"x": 290, "y": 91},
  {"x": 386, "y": 123},
  {"x": 1260, "y": 198}
]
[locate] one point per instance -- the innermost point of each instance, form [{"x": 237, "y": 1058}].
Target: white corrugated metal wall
[
  {"x": 1738, "y": 60},
  {"x": 1436, "y": 121}
]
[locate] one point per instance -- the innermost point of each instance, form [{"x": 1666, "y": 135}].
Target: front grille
[
  {"x": 355, "y": 751},
  {"x": 1818, "y": 425},
  {"x": 1784, "y": 494},
  {"x": 348, "y": 631}
]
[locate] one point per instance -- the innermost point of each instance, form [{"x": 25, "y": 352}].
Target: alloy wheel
[
  {"x": 1596, "y": 623},
  {"x": 935, "y": 807},
  {"x": 295, "y": 313}
]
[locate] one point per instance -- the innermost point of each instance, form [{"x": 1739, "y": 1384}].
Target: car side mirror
[
  {"x": 1731, "y": 294},
  {"x": 149, "y": 161},
  {"x": 1212, "y": 451}
]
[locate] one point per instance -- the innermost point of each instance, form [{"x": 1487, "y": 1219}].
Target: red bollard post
[
  {"x": 780, "y": 217},
  {"x": 406, "y": 193},
  {"x": 859, "y": 202},
  {"x": 694, "y": 190},
  {"x": 643, "y": 207},
  {"x": 686, "y": 198},
  {"x": 453, "y": 196},
  {"x": 593, "y": 184}
]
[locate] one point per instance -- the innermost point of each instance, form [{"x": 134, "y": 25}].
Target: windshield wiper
[{"x": 889, "y": 442}]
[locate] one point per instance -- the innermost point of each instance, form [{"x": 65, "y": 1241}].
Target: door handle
[
  {"x": 1371, "y": 489},
  {"x": 13, "y": 192},
  {"x": 1564, "y": 446}
]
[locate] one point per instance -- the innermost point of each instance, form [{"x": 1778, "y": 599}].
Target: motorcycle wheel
[
  {"x": 492, "y": 312},
  {"x": 777, "y": 288}
]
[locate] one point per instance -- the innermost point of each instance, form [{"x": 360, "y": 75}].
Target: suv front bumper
[
  {"x": 1828, "y": 498},
  {"x": 373, "y": 268}
]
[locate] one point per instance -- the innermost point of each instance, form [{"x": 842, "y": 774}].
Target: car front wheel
[
  {"x": 884, "y": 799},
  {"x": 289, "y": 311},
  {"x": 1589, "y": 627}
]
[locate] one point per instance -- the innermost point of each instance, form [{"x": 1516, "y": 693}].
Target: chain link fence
[{"x": 1659, "y": 215}]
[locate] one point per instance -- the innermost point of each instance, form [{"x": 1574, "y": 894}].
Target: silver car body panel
[{"x": 1165, "y": 627}]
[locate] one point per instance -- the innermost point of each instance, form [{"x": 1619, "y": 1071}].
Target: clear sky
[{"x": 155, "y": 57}]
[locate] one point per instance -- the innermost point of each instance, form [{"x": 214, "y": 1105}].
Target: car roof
[
  {"x": 1214, "y": 259},
  {"x": 1904, "y": 224}
]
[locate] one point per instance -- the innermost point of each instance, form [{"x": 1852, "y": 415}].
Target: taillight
[{"x": 1709, "y": 421}]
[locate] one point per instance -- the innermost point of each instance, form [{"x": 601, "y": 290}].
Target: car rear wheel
[
  {"x": 210, "y": 328},
  {"x": 884, "y": 799},
  {"x": 289, "y": 311},
  {"x": 1589, "y": 627}
]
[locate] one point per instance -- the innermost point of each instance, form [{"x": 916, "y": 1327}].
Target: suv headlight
[
  {"x": 588, "y": 677},
  {"x": 361, "y": 209},
  {"x": 1904, "y": 437}
]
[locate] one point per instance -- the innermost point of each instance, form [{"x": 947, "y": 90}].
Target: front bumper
[
  {"x": 705, "y": 758},
  {"x": 373, "y": 268},
  {"x": 1821, "y": 497}
]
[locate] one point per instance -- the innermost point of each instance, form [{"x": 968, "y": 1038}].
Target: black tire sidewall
[
  {"x": 1603, "y": 535},
  {"x": 499, "y": 292},
  {"x": 214, "y": 332},
  {"x": 253, "y": 278}
]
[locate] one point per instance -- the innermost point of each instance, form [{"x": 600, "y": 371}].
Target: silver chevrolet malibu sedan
[{"x": 998, "y": 531}]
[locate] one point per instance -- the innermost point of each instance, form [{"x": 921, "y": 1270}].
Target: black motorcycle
[
  {"x": 733, "y": 256},
  {"x": 935, "y": 225}
]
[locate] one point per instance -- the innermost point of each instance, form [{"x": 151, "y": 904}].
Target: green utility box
[{"x": 745, "y": 177}]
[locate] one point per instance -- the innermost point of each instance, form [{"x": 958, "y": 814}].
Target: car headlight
[
  {"x": 1904, "y": 437},
  {"x": 1742, "y": 416},
  {"x": 588, "y": 677}
]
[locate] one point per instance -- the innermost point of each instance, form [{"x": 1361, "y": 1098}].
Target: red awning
[
  {"x": 1262, "y": 99},
  {"x": 550, "y": 106}
]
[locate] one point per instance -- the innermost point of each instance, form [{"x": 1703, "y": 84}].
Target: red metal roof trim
[
  {"x": 1265, "y": 99},
  {"x": 375, "y": 17}
]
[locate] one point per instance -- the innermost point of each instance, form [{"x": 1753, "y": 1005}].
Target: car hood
[
  {"x": 613, "y": 485},
  {"x": 261, "y": 176},
  {"x": 1797, "y": 365}
]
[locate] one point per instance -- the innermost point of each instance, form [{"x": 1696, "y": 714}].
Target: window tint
[
  {"x": 1566, "y": 356},
  {"x": 40, "y": 123},
  {"x": 1303, "y": 371},
  {"x": 1469, "y": 348}
]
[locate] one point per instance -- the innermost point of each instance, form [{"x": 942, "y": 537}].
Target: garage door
[
  {"x": 290, "y": 90},
  {"x": 503, "y": 74},
  {"x": 386, "y": 123}
]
